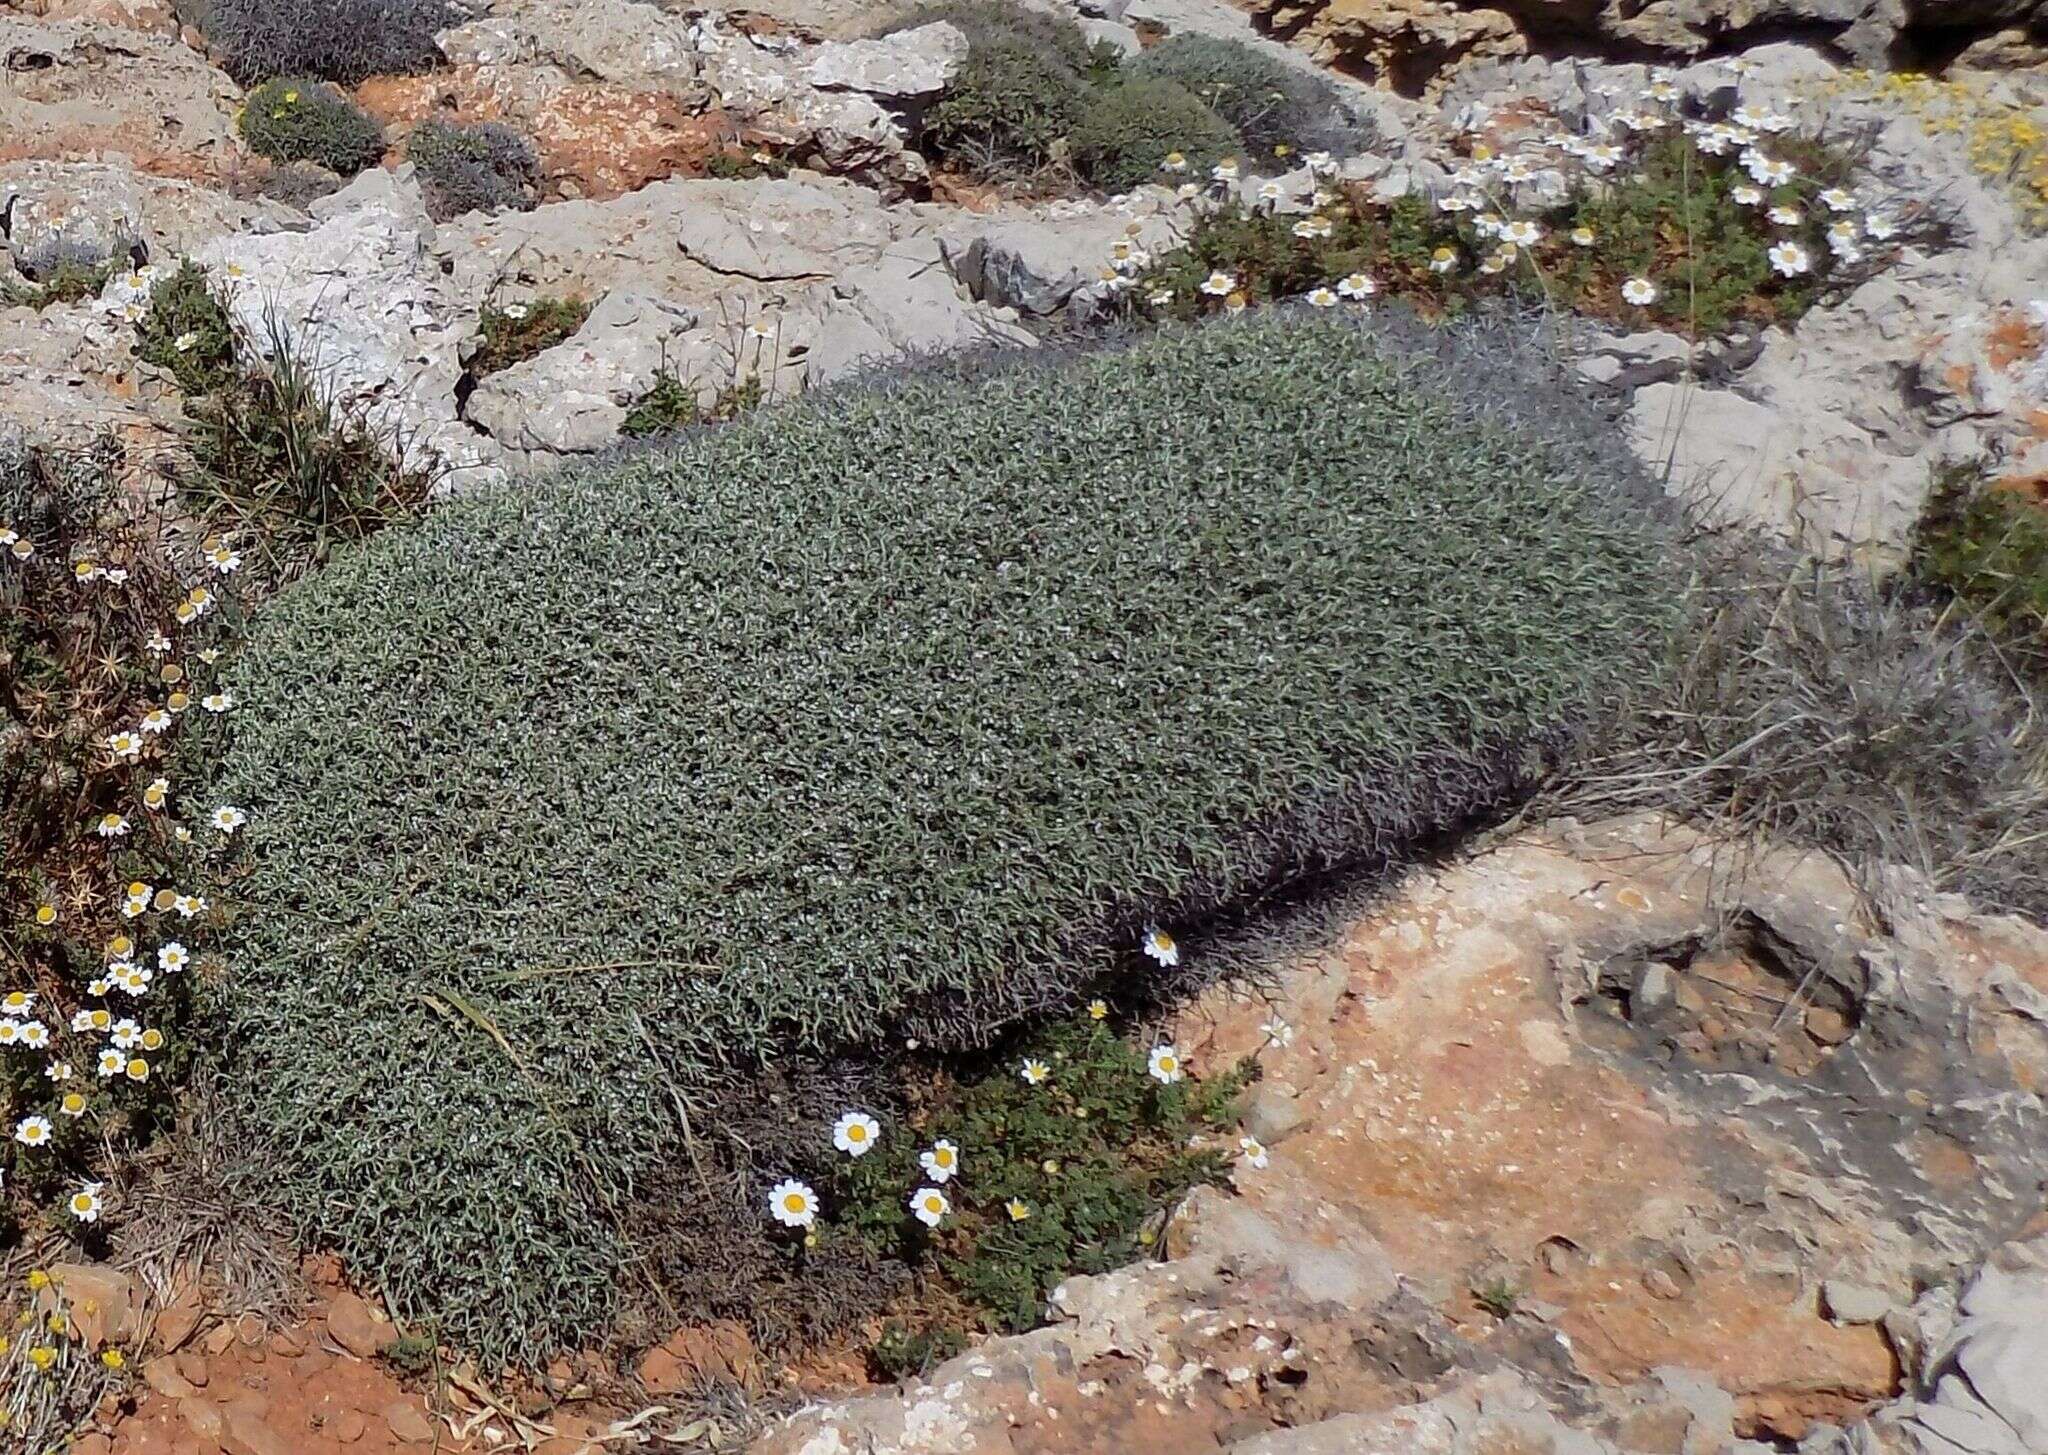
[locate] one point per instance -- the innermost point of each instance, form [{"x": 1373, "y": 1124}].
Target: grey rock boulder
[
  {"x": 906, "y": 65},
  {"x": 361, "y": 298},
  {"x": 572, "y": 399}
]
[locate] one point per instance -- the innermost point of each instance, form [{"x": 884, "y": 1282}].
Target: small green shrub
[
  {"x": 1498, "y": 1297},
  {"x": 481, "y": 168},
  {"x": 302, "y": 120},
  {"x": 801, "y": 736},
  {"x": 1988, "y": 550},
  {"x": 68, "y": 282},
  {"x": 670, "y": 404},
  {"x": 1058, "y": 1176},
  {"x": 344, "y": 41},
  {"x": 1009, "y": 108},
  {"x": 515, "y": 332},
  {"x": 412, "y": 1353},
  {"x": 1275, "y": 107},
  {"x": 187, "y": 332},
  {"x": 269, "y": 456},
  {"x": 902, "y": 1352},
  {"x": 1126, "y": 132}
]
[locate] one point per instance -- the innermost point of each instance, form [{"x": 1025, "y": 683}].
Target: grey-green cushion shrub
[
  {"x": 1126, "y": 131},
  {"x": 484, "y": 167},
  {"x": 299, "y": 119},
  {"x": 338, "y": 40},
  {"x": 1270, "y": 103},
  {"x": 893, "y": 712},
  {"x": 1010, "y": 105}
]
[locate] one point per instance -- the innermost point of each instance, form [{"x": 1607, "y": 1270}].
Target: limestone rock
[
  {"x": 96, "y": 212},
  {"x": 360, "y": 297},
  {"x": 571, "y": 399},
  {"x": 80, "y": 89},
  {"x": 905, "y": 65}
]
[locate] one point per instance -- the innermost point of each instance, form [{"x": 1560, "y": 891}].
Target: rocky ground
[
  {"x": 119, "y": 141},
  {"x": 1590, "y": 1142},
  {"x": 1597, "y": 1141}
]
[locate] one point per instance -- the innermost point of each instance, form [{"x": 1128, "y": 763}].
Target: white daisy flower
[
  {"x": 1786, "y": 216},
  {"x": 1320, "y": 162},
  {"x": 227, "y": 818},
  {"x": 1219, "y": 283},
  {"x": 1225, "y": 170},
  {"x": 112, "y": 1063},
  {"x": 18, "y": 1002},
  {"x": 185, "y": 342},
  {"x": 1639, "y": 291},
  {"x": 1034, "y": 1071},
  {"x": 1254, "y": 1153},
  {"x": 941, "y": 1162},
  {"x": 155, "y": 721},
  {"x": 930, "y": 1205},
  {"x": 85, "y": 1203},
  {"x": 1271, "y": 191},
  {"x": 1789, "y": 259},
  {"x": 157, "y": 794},
  {"x": 1174, "y": 162},
  {"x": 32, "y": 1131},
  {"x": 1321, "y": 298},
  {"x": 1837, "y": 199},
  {"x": 1159, "y": 297},
  {"x": 1584, "y": 237},
  {"x": 1313, "y": 227},
  {"x": 10, "y": 1031},
  {"x": 855, "y": 1133},
  {"x": 189, "y": 905},
  {"x": 1443, "y": 260},
  {"x": 125, "y": 744},
  {"x": 1602, "y": 156},
  {"x": 73, "y": 1104},
  {"x": 793, "y": 1204},
  {"x": 1522, "y": 233},
  {"x": 173, "y": 957},
  {"x": 1747, "y": 196},
  {"x": 1879, "y": 227},
  {"x": 111, "y": 826},
  {"x": 1457, "y": 202},
  {"x": 1164, "y": 1065},
  {"x": 217, "y": 701},
  {"x": 35, "y": 1035},
  {"x": 58, "y": 1071},
  {"x": 127, "y": 1034},
  {"x": 514, "y": 311},
  {"x": 226, "y": 562},
  {"x": 1767, "y": 171},
  {"x": 1160, "y": 946}
]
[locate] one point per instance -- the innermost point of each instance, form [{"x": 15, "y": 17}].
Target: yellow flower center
[
  {"x": 856, "y": 1133},
  {"x": 793, "y": 1202},
  {"x": 46, "y": 914}
]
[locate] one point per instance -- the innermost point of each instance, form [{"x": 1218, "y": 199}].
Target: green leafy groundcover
[{"x": 894, "y": 713}]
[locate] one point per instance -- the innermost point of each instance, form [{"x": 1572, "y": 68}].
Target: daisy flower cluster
[
  {"x": 1061, "y": 1153},
  {"x": 1695, "y": 215},
  {"x": 107, "y": 901}
]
